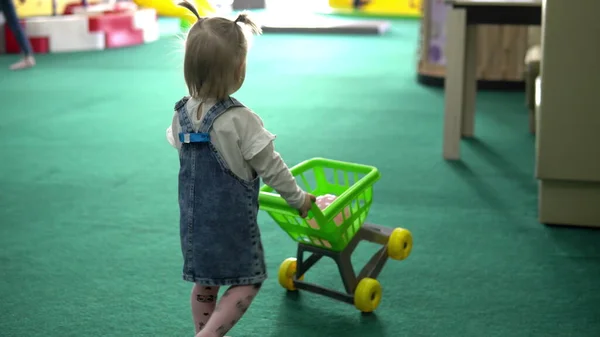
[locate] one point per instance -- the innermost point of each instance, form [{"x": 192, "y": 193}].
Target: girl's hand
[{"x": 309, "y": 199}]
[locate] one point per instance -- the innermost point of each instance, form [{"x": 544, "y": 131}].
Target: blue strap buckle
[{"x": 194, "y": 137}]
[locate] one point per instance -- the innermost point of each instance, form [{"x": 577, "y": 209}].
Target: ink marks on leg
[
  {"x": 256, "y": 288},
  {"x": 205, "y": 298},
  {"x": 221, "y": 331},
  {"x": 201, "y": 326},
  {"x": 243, "y": 307}
]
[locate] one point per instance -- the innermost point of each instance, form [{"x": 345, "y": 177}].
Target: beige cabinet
[{"x": 568, "y": 118}]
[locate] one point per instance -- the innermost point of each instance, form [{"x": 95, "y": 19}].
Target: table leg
[
  {"x": 470, "y": 82},
  {"x": 454, "y": 83}
]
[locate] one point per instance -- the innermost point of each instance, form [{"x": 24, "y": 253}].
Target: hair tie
[{"x": 241, "y": 18}]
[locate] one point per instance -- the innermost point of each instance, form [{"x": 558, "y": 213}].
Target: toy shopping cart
[{"x": 336, "y": 231}]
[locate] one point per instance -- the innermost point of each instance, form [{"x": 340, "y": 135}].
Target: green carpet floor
[{"x": 88, "y": 212}]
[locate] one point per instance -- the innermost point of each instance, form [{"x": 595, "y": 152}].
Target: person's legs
[
  {"x": 204, "y": 301},
  {"x": 10, "y": 14},
  {"x": 232, "y": 306}
]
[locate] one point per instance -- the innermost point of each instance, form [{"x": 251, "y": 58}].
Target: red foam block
[
  {"x": 40, "y": 45},
  {"x": 118, "y": 28},
  {"x": 118, "y": 10},
  {"x": 111, "y": 22}
]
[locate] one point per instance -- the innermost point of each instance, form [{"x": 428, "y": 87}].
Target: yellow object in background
[
  {"x": 379, "y": 7},
  {"x": 42, "y": 7},
  {"x": 170, "y": 8}
]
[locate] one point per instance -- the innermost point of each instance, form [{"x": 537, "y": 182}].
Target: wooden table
[{"x": 461, "y": 83}]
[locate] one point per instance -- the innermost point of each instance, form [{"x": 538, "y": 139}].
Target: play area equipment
[
  {"x": 97, "y": 26},
  {"x": 401, "y": 8},
  {"x": 310, "y": 17},
  {"x": 248, "y": 4},
  {"x": 320, "y": 24},
  {"x": 336, "y": 230}
]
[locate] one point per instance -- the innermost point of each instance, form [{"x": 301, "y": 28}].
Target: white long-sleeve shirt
[{"x": 245, "y": 145}]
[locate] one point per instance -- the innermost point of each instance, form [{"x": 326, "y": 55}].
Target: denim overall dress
[{"x": 220, "y": 238}]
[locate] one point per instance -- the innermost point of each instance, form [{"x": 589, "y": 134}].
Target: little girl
[{"x": 224, "y": 150}]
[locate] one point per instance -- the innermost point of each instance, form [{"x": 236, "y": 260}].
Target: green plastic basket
[{"x": 351, "y": 183}]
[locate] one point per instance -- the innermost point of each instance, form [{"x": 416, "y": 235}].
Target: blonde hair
[{"x": 215, "y": 54}]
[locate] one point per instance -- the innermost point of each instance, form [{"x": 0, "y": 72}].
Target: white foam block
[
  {"x": 66, "y": 33},
  {"x": 146, "y": 20}
]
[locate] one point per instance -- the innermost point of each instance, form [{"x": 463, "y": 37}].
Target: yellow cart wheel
[
  {"x": 287, "y": 270},
  {"x": 367, "y": 295},
  {"x": 400, "y": 244}
]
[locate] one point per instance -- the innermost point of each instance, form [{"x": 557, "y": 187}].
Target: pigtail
[
  {"x": 245, "y": 19},
  {"x": 190, "y": 7}
]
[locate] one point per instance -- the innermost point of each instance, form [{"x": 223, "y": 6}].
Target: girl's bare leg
[
  {"x": 232, "y": 306},
  {"x": 204, "y": 301}
]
